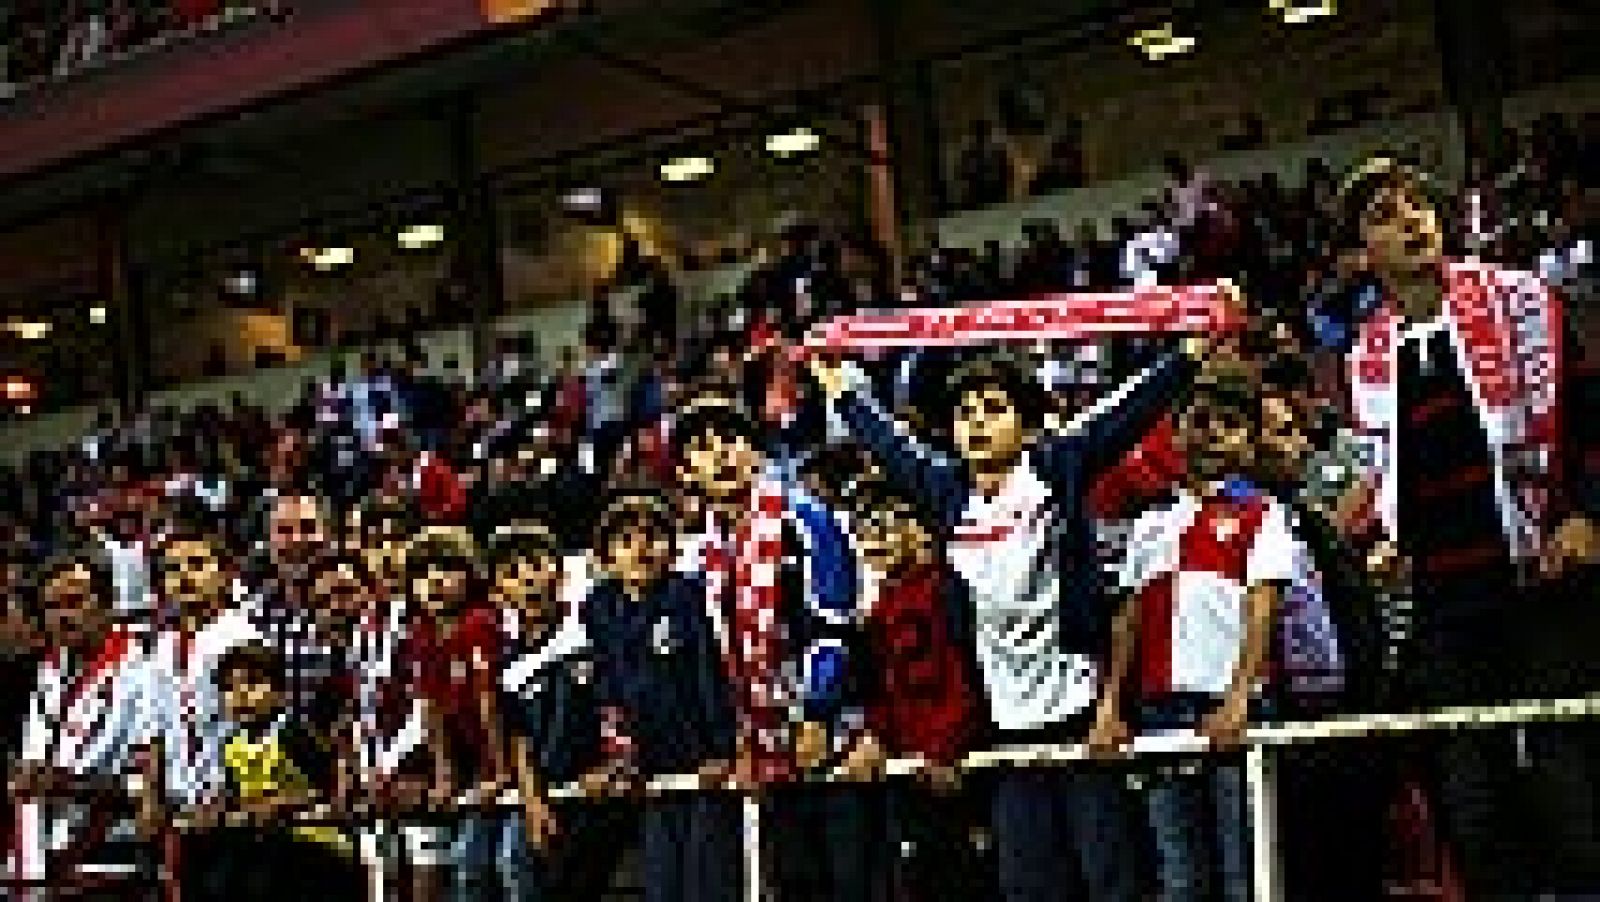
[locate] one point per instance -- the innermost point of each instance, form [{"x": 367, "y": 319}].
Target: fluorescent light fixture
[
  {"x": 325, "y": 258},
  {"x": 585, "y": 200},
  {"x": 801, "y": 140},
  {"x": 418, "y": 237},
  {"x": 18, "y": 388},
  {"x": 97, "y": 315},
  {"x": 687, "y": 169},
  {"x": 1299, "y": 12},
  {"x": 29, "y": 331},
  {"x": 1161, "y": 42}
]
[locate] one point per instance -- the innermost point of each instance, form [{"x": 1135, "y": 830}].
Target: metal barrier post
[
  {"x": 752, "y": 848},
  {"x": 31, "y": 841},
  {"x": 1261, "y": 786}
]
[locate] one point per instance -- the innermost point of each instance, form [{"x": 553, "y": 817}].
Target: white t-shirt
[{"x": 1002, "y": 549}]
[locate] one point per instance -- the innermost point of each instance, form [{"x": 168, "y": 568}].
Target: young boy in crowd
[
  {"x": 1011, "y": 508},
  {"x": 665, "y": 704},
  {"x": 778, "y": 579},
  {"x": 921, "y": 689},
  {"x": 1205, "y": 575},
  {"x": 275, "y": 767},
  {"x": 449, "y": 659},
  {"x": 81, "y": 714},
  {"x": 552, "y": 850}
]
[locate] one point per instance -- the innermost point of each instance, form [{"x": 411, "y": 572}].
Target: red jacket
[{"x": 923, "y": 701}]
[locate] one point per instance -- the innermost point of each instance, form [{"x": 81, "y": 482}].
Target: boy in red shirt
[
  {"x": 450, "y": 659},
  {"x": 920, "y": 688}
]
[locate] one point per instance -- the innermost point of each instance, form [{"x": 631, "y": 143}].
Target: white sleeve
[
  {"x": 1276, "y": 555},
  {"x": 36, "y": 731},
  {"x": 1146, "y": 554},
  {"x": 408, "y": 739}
]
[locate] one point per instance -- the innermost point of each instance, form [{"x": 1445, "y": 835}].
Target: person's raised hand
[{"x": 829, "y": 375}]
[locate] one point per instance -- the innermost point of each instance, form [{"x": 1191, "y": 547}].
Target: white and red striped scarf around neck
[
  {"x": 741, "y": 563},
  {"x": 1506, "y": 326}
]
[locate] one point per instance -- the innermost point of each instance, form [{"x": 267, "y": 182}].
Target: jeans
[
  {"x": 492, "y": 860},
  {"x": 1193, "y": 815},
  {"x": 1039, "y": 813},
  {"x": 1181, "y": 808}
]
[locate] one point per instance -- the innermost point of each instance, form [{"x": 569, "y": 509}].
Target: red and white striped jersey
[{"x": 1189, "y": 565}]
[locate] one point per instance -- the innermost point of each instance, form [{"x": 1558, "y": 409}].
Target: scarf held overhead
[{"x": 1075, "y": 316}]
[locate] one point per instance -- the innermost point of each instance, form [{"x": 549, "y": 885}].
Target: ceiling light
[
  {"x": 28, "y": 331},
  {"x": 418, "y": 237},
  {"x": 18, "y": 388},
  {"x": 801, "y": 140},
  {"x": 323, "y": 259},
  {"x": 97, "y": 315},
  {"x": 242, "y": 283},
  {"x": 584, "y": 200},
  {"x": 1299, "y": 12},
  {"x": 1162, "y": 42},
  {"x": 687, "y": 169}
]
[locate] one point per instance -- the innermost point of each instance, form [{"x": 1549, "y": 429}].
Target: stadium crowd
[{"x": 685, "y": 548}]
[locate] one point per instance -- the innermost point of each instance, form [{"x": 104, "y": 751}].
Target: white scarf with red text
[
  {"x": 1074, "y": 316},
  {"x": 1506, "y": 326}
]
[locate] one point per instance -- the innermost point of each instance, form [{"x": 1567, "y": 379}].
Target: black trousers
[
  {"x": 1518, "y": 805},
  {"x": 266, "y": 866},
  {"x": 929, "y": 848},
  {"x": 825, "y": 842}
]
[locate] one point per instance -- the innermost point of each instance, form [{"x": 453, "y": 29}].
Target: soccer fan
[
  {"x": 182, "y": 722},
  {"x": 665, "y": 703},
  {"x": 1012, "y": 511},
  {"x": 274, "y": 769},
  {"x": 1205, "y": 575},
  {"x": 778, "y": 580},
  {"x": 449, "y": 658},
  {"x": 1463, "y": 382},
  {"x": 921, "y": 690},
  {"x": 548, "y": 708},
  {"x": 81, "y": 716}
]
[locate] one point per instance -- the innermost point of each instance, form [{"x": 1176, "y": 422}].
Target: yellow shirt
[{"x": 261, "y": 769}]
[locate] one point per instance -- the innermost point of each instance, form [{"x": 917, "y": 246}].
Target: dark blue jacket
[
  {"x": 1068, "y": 462},
  {"x": 557, "y": 713},
  {"x": 656, "y": 659}
]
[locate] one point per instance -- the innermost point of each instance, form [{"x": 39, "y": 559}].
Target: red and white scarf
[
  {"x": 1506, "y": 326},
  {"x": 1074, "y": 316},
  {"x": 743, "y": 566}
]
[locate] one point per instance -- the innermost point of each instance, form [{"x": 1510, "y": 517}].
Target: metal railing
[{"x": 1259, "y": 746}]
